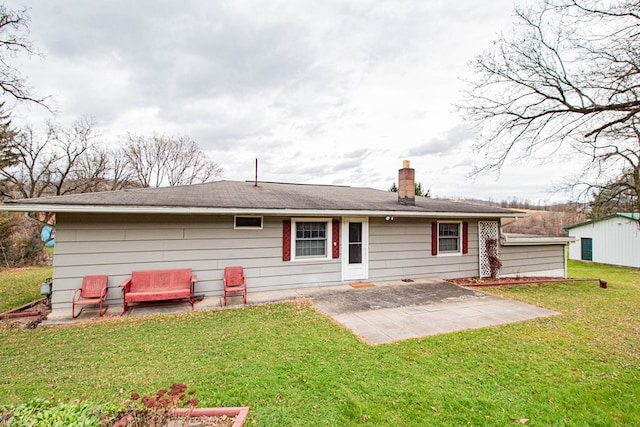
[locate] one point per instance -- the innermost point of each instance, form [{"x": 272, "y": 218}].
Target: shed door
[{"x": 587, "y": 248}]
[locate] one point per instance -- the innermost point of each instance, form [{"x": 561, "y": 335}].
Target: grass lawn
[
  {"x": 293, "y": 366},
  {"x": 21, "y": 286}
]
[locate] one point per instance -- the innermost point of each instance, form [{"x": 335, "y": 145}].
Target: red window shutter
[
  {"x": 286, "y": 240},
  {"x": 465, "y": 237},
  {"x": 434, "y": 238},
  {"x": 335, "y": 235}
]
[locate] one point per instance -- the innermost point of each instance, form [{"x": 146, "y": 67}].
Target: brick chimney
[{"x": 406, "y": 185}]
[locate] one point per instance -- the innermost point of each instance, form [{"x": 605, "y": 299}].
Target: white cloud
[{"x": 326, "y": 92}]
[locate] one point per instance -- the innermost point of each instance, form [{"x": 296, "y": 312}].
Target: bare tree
[
  {"x": 14, "y": 31},
  {"x": 91, "y": 171},
  {"x": 614, "y": 196},
  {"x": 101, "y": 169},
  {"x": 31, "y": 175},
  {"x": 168, "y": 160},
  {"x": 73, "y": 147},
  {"x": 567, "y": 82},
  {"x": 143, "y": 159},
  {"x": 7, "y": 135},
  {"x": 69, "y": 160},
  {"x": 106, "y": 169},
  {"x": 51, "y": 164}
]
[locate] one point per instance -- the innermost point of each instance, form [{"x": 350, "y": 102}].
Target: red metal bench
[{"x": 159, "y": 286}]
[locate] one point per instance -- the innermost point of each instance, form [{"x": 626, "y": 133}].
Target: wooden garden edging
[
  {"x": 602, "y": 283},
  {"x": 19, "y": 311}
]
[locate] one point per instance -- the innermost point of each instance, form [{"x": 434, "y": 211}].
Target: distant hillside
[
  {"x": 544, "y": 220},
  {"x": 545, "y": 223}
]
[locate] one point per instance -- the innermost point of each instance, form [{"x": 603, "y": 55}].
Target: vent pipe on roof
[
  {"x": 407, "y": 185},
  {"x": 255, "y": 184}
]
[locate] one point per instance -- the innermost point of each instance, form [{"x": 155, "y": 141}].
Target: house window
[
  {"x": 311, "y": 239},
  {"x": 449, "y": 237},
  {"x": 248, "y": 222}
]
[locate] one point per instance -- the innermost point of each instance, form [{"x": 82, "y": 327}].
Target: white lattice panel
[{"x": 487, "y": 230}]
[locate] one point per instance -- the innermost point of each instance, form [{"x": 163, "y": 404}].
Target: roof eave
[
  {"x": 57, "y": 208},
  {"x": 542, "y": 240}
]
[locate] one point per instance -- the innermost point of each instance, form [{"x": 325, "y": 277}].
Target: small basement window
[{"x": 254, "y": 222}]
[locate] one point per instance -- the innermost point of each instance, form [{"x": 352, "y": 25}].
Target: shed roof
[
  {"x": 516, "y": 239},
  {"x": 629, "y": 216},
  {"x": 241, "y": 197}
]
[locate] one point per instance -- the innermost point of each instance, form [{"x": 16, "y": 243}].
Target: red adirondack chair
[
  {"x": 92, "y": 292},
  {"x": 234, "y": 282}
]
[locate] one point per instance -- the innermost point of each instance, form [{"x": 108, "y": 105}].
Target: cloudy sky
[{"x": 327, "y": 92}]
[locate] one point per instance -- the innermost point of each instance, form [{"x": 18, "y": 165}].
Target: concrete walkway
[{"x": 378, "y": 313}]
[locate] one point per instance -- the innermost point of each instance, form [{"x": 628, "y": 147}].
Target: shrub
[
  {"x": 20, "y": 243},
  {"x": 494, "y": 260},
  {"x": 155, "y": 410},
  {"x": 41, "y": 413}
]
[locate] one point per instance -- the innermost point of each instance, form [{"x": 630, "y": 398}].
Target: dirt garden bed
[{"x": 27, "y": 316}]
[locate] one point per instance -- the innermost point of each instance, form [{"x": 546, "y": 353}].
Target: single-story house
[
  {"x": 612, "y": 239},
  {"x": 284, "y": 235}
]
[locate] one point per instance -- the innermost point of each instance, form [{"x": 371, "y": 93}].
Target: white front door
[{"x": 355, "y": 248}]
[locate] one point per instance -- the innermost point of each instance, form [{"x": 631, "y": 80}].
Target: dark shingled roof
[{"x": 238, "y": 195}]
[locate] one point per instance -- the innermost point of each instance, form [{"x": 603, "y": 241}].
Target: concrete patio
[
  {"x": 395, "y": 311},
  {"x": 378, "y": 313}
]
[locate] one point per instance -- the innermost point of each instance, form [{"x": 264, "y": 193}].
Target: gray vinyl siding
[
  {"x": 116, "y": 245},
  {"x": 402, "y": 249},
  {"x": 533, "y": 260}
]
